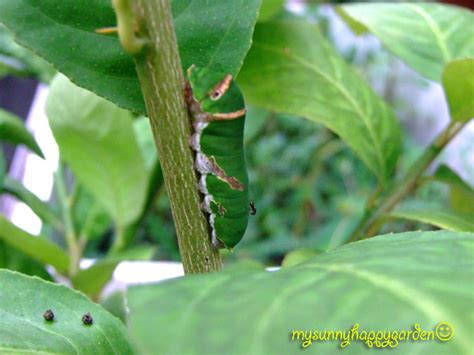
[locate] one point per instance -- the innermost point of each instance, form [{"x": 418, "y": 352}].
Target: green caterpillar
[{"x": 218, "y": 110}]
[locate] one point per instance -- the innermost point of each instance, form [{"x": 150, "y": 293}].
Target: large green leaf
[
  {"x": 97, "y": 140},
  {"x": 12, "y": 130},
  {"x": 216, "y": 33},
  {"x": 38, "y": 248},
  {"x": 427, "y": 36},
  {"x": 386, "y": 283},
  {"x": 291, "y": 68},
  {"x": 40, "y": 208},
  {"x": 458, "y": 83},
  {"x": 23, "y": 301},
  {"x": 446, "y": 219}
]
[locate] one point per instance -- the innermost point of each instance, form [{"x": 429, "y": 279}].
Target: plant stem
[
  {"x": 74, "y": 250},
  {"x": 369, "y": 224},
  {"x": 162, "y": 82}
]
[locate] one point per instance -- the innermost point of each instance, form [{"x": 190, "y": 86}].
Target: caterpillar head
[{"x": 217, "y": 92}]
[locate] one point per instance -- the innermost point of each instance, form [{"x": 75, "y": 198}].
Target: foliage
[
  {"x": 316, "y": 186},
  {"x": 385, "y": 283},
  {"x": 66, "y": 333}
]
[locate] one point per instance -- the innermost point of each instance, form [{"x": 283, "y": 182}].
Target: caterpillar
[{"x": 217, "y": 107}]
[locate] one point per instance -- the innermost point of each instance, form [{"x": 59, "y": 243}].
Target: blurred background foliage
[{"x": 309, "y": 188}]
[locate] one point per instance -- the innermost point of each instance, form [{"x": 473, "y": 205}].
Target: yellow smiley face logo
[{"x": 444, "y": 331}]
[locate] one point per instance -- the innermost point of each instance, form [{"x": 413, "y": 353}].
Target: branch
[
  {"x": 159, "y": 71},
  {"x": 370, "y": 223}
]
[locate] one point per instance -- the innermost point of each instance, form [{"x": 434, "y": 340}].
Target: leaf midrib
[
  {"x": 440, "y": 40},
  {"x": 419, "y": 300},
  {"x": 357, "y": 109}
]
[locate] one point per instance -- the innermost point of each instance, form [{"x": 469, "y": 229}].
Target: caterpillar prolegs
[{"x": 218, "y": 110}]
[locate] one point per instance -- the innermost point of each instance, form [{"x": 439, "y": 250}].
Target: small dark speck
[
  {"x": 48, "y": 315},
  {"x": 87, "y": 319}
]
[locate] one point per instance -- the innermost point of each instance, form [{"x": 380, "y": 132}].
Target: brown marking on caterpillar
[
  {"x": 106, "y": 30},
  {"x": 113, "y": 30},
  {"x": 222, "y": 209},
  {"x": 220, "y": 89},
  {"x": 227, "y": 116},
  {"x": 220, "y": 173}
]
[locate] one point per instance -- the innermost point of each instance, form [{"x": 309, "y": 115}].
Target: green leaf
[
  {"x": 97, "y": 140},
  {"x": 115, "y": 304},
  {"x": 298, "y": 256},
  {"x": 216, "y": 33},
  {"x": 445, "y": 219},
  {"x": 23, "y": 301},
  {"x": 386, "y": 283},
  {"x": 36, "y": 247},
  {"x": 13, "y": 259},
  {"x": 355, "y": 26},
  {"x": 458, "y": 83},
  {"x": 21, "y": 61},
  {"x": 91, "y": 220},
  {"x": 40, "y": 208},
  {"x": 12, "y": 130},
  {"x": 270, "y": 8},
  {"x": 92, "y": 280},
  {"x": 462, "y": 200},
  {"x": 447, "y": 175},
  {"x": 461, "y": 195},
  {"x": 254, "y": 122},
  {"x": 426, "y": 36},
  {"x": 291, "y": 68}
]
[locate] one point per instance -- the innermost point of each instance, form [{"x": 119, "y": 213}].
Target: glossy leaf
[
  {"x": 386, "y": 283},
  {"x": 458, "y": 84},
  {"x": 445, "y": 219},
  {"x": 38, "y": 248},
  {"x": 24, "y": 300},
  {"x": 216, "y": 33},
  {"x": 426, "y": 36},
  {"x": 97, "y": 140},
  {"x": 40, "y": 208},
  {"x": 291, "y": 68},
  {"x": 12, "y": 130}
]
